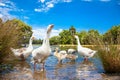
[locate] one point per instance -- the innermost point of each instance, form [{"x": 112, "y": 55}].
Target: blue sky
[{"x": 100, "y": 15}]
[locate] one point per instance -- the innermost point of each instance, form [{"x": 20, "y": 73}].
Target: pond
[{"x": 68, "y": 70}]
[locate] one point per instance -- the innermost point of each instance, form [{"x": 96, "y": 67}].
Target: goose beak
[{"x": 50, "y": 28}]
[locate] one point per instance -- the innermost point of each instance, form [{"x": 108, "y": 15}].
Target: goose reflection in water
[
  {"x": 25, "y": 73},
  {"x": 21, "y": 66},
  {"x": 65, "y": 71},
  {"x": 39, "y": 75},
  {"x": 86, "y": 70}
]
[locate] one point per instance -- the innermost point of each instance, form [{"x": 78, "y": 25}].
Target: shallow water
[{"x": 69, "y": 70}]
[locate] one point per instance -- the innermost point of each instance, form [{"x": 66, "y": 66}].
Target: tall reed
[
  {"x": 8, "y": 37},
  {"x": 109, "y": 53}
]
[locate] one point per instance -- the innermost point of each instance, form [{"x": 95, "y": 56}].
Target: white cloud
[
  {"x": 25, "y": 17},
  {"x": 6, "y": 7},
  {"x": 5, "y": 14},
  {"x": 50, "y": 5},
  {"x": 87, "y": 0},
  {"x": 1, "y": 15},
  {"x": 67, "y": 0},
  {"x": 37, "y": 10},
  {"x": 2, "y": 4},
  {"x": 94, "y": 0},
  {"x": 42, "y": 9},
  {"x": 42, "y": 1},
  {"x": 105, "y": 0},
  {"x": 47, "y": 5},
  {"x": 55, "y": 32},
  {"x": 40, "y": 33}
]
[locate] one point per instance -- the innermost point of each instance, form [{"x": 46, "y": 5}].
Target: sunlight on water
[{"x": 69, "y": 70}]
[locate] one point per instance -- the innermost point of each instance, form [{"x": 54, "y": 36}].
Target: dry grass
[
  {"x": 66, "y": 47},
  {"x": 109, "y": 54},
  {"x": 8, "y": 38},
  {"x": 110, "y": 59}
]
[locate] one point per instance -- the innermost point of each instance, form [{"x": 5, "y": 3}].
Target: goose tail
[{"x": 94, "y": 52}]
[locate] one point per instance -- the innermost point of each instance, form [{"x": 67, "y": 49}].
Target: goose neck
[
  {"x": 46, "y": 42},
  {"x": 30, "y": 43},
  {"x": 78, "y": 42}
]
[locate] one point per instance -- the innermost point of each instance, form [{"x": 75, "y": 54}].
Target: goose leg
[
  {"x": 22, "y": 57},
  {"x": 60, "y": 61},
  {"x": 34, "y": 65},
  {"x": 43, "y": 65},
  {"x": 85, "y": 59}
]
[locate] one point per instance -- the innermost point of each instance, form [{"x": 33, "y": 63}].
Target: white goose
[
  {"x": 60, "y": 55},
  {"x": 40, "y": 54},
  {"x": 86, "y": 52},
  {"x": 72, "y": 57},
  {"x": 72, "y": 54},
  {"x": 71, "y": 51},
  {"x": 23, "y": 53}
]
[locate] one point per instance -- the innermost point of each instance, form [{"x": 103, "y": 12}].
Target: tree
[
  {"x": 55, "y": 40},
  {"x": 37, "y": 41},
  {"x": 92, "y": 36},
  {"x": 82, "y": 36},
  {"x": 112, "y": 36},
  {"x": 72, "y": 30},
  {"x": 65, "y": 37},
  {"x": 89, "y": 37}
]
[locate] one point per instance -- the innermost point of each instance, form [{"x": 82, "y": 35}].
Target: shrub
[
  {"x": 109, "y": 50},
  {"x": 11, "y": 35}
]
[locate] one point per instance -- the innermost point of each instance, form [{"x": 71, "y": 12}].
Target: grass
[
  {"x": 8, "y": 38},
  {"x": 109, "y": 54},
  {"x": 66, "y": 47},
  {"x": 110, "y": 59}
]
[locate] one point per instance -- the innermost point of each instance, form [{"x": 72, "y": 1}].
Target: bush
[
  {"x": 110, "y": 59},
  {"x": 11, "y": 35},
  {"x": 109, "y": 50}
]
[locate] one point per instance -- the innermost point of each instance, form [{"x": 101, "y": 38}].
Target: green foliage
[
  {"x": 12, "y": 35},
  {"x": 87, "y": 38},
  {"x": 72, "y": 30},
  {"x": 112, "y": 35},
  {"x": 65, "y": 37},
  {"x": 82, "y": 36},
  {"x": 37, "y": 41},
  {"x": 92, "y": 36},
  {"x": 55, "y": 40}
]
